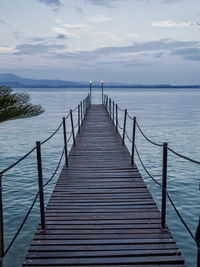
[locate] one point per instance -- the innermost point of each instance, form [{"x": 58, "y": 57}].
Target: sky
[{"x": 133, "y": 41}]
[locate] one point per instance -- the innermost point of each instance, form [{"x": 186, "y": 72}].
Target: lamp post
[
  {"x": 90, "y": 92},
  {"x": 102, "y": 90}
]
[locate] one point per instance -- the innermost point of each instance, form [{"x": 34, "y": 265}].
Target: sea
[{"x": 164, "y": 115}]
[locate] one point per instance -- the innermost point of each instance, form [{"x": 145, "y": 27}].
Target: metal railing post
[
  {"x": 116, "y": 118},
  {"x": 65, "y": 142},
  {"x": 1, "y": 223},
  {"x": 197, "y": 238},
  {"x": 113, "y": 112},
  {"x": 133, "y": 141},
  {"x": 124, "y": 129},
  {"x": 72, "y": 124},
  {"x": 40, "y": 184},
  {"x": 164, "y": 185},
  {"x": 79, "y": 126}
]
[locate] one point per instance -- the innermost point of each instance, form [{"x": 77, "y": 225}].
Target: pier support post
[
  {"x": 72, "y": 124},
  {"x": 102, "y": 91},
  {"x": 79, "y": 125},
  {"x": 1, "y": 224},
  {"x": 81, "y": 104},
  {"x": 124, "y": 129},
  {"x": 40, "y": 184},
  {"x": 197, "y": 238},
  {"x": 116, "y": 111},
  {"x": 113, "y": 112},
  {"x": 65, "y": 142},
  {"x": 133, "y": 141},
  {"x": 164, "y": 185}
]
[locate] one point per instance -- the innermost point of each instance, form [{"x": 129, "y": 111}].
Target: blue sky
[{"x": 137, "y": 41}]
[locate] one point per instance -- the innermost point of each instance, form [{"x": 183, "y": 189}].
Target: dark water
[{"x": 164, "y": 115}]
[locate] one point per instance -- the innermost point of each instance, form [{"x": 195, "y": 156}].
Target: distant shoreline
[{"x": 15, "y": 81}]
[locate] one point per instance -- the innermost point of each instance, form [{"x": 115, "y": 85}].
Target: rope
[
  {"x": 170, "y": 199},
  {"x": 184, "y": 157},
  {"x": 153, "y": 143},
  {"x": 46, "y": 140},
  {"x": 76, "y": 107},
  {"x": 146, "y": 168},
  {"x": 132, "y": 118},
  {"x": 128, "y": 136},
  {"x": 22, "y": 224},
  {"x": 55, "y": 169},
  {"x": 120, "y": 108},
  {"x": 18, "y": 161},
  {"x": 69, "y": 137},
  {"x": 120, "y": 126},
  {"x": 76, "y": 125},
  {"x": 180, "y": 217},
  {"x": 67, "y": 116}
]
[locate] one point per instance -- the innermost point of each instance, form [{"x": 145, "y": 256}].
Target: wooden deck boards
[{"x": 101, "y": 212}]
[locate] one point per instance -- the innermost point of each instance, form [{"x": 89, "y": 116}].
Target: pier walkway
[{"x": 101, "y": 212}]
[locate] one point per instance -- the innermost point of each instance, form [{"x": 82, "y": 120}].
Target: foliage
[{"x": 16, "y": 105}]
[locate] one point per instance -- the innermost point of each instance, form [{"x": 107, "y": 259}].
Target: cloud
[
  {"x": 79, "y": 10},
  {"x": 106, "y": 3},
  {"x": 170, "y": 24},
  {"x": 191, "y": 53},
  {"x": 100, "y": 18},
  {"x": 62, "y": 31},
  {"x": 31, "y": 49},
  {"x": 62, "y": 37},
  {"x": 52, "y": 3},
  {"x": 2, "y": 21},
  {"x": 75, "y": 26},
  {"x": 7, "y": 50}
]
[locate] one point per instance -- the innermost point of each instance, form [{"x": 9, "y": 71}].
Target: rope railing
[
  {"x": 165, "y": 193},
  {"x": 149, "y": 140},
  {"x": 82, "y": 110}
]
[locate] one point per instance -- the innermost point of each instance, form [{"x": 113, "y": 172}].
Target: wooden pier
[{"x": 101, "y": 212}]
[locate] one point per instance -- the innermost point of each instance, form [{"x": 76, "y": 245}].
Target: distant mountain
[{"x": 15, "y": 81}]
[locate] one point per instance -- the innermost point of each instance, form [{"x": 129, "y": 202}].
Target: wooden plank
[{"x": 101, "y": 212}]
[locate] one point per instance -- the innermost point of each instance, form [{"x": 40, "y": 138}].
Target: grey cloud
[
  {"x": 53, "y": 3},
  {"x": 192, "y": 54},
  {"x": 79, "y": 10},
  {"x": 27, "y": 49},
  {"x": 107, "y": 3},
  {"x": 2, "y": 21},
  {"x": 142, "y": 47},
  {"x": 62, "y": 37}
]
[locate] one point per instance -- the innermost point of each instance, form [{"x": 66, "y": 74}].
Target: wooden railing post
[
  {"x": 65, "y": 142},
  {"x": 79, "y": 124},
  {"x": 81, "y": 112},
  {"x": 197, "y": 238},
  {"x": 110, "y": 107},
  {"x": 164, "y": 185},
  {"x": 113, "y": 112},
  {"x": 40, "y": 184},
  {"x": 90, "y": 92},
  {"x": 1, "y": 223},
  {"x": 133, "y": 141},
  {"x": 116, "y": 118},
  {"x": 72, "y": 125},
  {"x": 107, "y": 103},
  {"x": 124, "y": 129}
]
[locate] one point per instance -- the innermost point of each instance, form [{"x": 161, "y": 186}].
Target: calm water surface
[{"x": 164, "y": 115}]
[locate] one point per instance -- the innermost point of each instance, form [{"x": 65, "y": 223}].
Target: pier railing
[
  {"x": 81, "y": 111},
  {"x": 113, "y": 109}
]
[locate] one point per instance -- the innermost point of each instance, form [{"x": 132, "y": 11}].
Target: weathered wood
[{"x": 101, "y": 212}]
